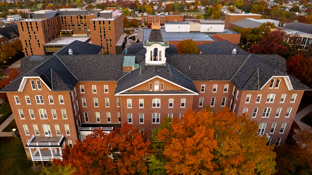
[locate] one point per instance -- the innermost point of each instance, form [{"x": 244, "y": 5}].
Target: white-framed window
[
  {"x": 237, "y": 93},
  {"x": 84, "y": 102},
  {"x": 129, "y": 103},
  {"x": 156, "y": 103},
  {"x": 53, "y": 112},
  {"x": 107, "y": 104},
  {"x": 234, "y": 108},
  {"x": 271, "y": 83},
  {"x": 21, "y": 114},
  {"x": 61, "y": 99},
  {"x": 245, "y": 110},
  {"x": 64, "y": 115},
  {"x": 170, "y": 115},
  {"x": 156, "y": 86},
  {"x": 94, "y": 89},
  {"x": 106, "y": 89},
  {"x": 141, "y": 103},
  {"x": 26, "y": 129},
  {"x": 108, "y": 117},
  {"x": 141, "y": 118},
  {"x": 233, "y": 90},
  {"x": 162, "y": 86},
  {"x": 70, "y": 143},
  {"x": 269, "y": 141},
  {"x": 202, "y": 88},
  {"x": 118, "y": 102},
  {"x": 214, "y": 88},
  {"x": 270, "y": 98},
  {"x": 226, "y": 88},
  {"x": 96, "y": 102},
  {"x": 39, "y": 85},
  {"x": 201, "y": 102},
  {"x": 82, "y": 89},
  {"x": 27, "y": 99},
  {"x": 170, "y": 104},
  {"x": 278, "y": 141},
  {"x": 17, "y": 100},
  {"x": 266, "y": 113},
  {"x": 278, "y": 112},
  {"x": 36, "y": 129},
  {"x": 57, "y": 129},
  {"x": 33, "y": 86},
  {"x": 75, "y": 91},
  {"x": 258, "y": 100},
  {"x": 261, "y": 129},
  {"x": 293, "y": 98},
  {"x": 180, "y": 115},
  {"x": 254, "y": 113},
  {"x": 97, "y": 117},
  {"x": 288, "y": 112},
  {"x": 46, "y": 130},
  {"x": 212, "y": 103},
  {"x": 278, "y": 81},
  {"x": 283, "y": 97},
  {"x": 39, "y": 99},
  {"x": 151, "y": 86},
  {"x": 248, "y": 96},
  {"x": 43, "y": 113},
  {"x": 129, "y": 118},
  {"x": 31, "y": 114},
  {"x": 231, "y": 102},
  {"x": 223, "y": 101},
  {"x": 86, "y": 116},
  {"x": 119, "y": 117},
  {"x": 51, "y": 101},
  {"x": 67, "y": 131},
  {"x": 182, "y": 104},
  {"x": 272, "y": 130},
  {"x": 283, "y": 127},
  {"x": 155, "y": 118}
]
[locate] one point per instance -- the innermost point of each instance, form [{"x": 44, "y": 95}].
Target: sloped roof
[
  {"x": 223, "y": 47},
  {"x": 155, "y": 36},
  {"x": 80, "y": 48},
  {"x": 10, "y": 31},
  {"x": 302, "y": 27},
  {"x": 247, "y": 23},
  {"x": 144, "y": 73}
]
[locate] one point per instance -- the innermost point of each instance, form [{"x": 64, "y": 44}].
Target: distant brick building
[
  {"x": 162, "y": 19},
  {"x": 61, "y": 99},
  {"x": 232, "y": 17},
  {"x": 47, "y": 25}
]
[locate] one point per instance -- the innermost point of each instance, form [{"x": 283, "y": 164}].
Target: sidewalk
[
  {"x": 302, "y": 114},
  {"x": 5, "y": 124}
]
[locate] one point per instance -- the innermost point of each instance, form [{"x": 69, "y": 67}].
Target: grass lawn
[
  {"x": 10, "y": 127},
  {"x": 307, "y": 119},
  {"x": 13, "y": 158},
  {"x": 5, "y": 110}
]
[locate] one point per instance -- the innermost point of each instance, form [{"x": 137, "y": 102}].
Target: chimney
[
  {"x": 234, "y": 52},
  {"x": 70, "y": 52}
]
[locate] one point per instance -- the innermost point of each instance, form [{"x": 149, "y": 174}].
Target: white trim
[
  {"x": 287, "y": 81},
  {"x": 119, "y": 93},
  {"x": 150, "y": 94},
  {"x": 23, "y": 82}
]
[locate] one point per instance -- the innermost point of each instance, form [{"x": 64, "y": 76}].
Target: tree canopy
[
  {"x": 188, "y": 47},
  {"x": 208, "y": 141}
]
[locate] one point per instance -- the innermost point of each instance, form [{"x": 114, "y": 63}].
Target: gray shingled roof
[
  {"x": 223, "y": 47},
  {"x": 144, "y": 73},
  {"x": 247, "y": 23},
  {"x": 80, "y": 48},
  {"x": 155, "y": 36},
  {"x": 302, "y": 27},
  {"x": 138, "y": 49},
  {"x": 72, "y": 13},
  {"x": 29, "y": 62},
  {"x": 10, "y": 31}
]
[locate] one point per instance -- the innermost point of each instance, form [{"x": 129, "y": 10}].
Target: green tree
[
  {"x": 126, "y": 12},
  {"x": 169, "y": 8},
  {"x": 188, "y": 47},
  {"x": 58, "y": 170}
]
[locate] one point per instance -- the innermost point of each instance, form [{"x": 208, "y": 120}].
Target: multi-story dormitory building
[
  {"x": 60, "y": 99},
  {"x": 46, "y": 25}
]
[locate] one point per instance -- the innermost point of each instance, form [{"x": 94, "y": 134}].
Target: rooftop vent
[
  {"x": 234, "y": 52},
  {"x": 70, "y": 52}
]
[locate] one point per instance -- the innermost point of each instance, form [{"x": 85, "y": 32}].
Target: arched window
[
  {"x": 156, "y": 86},
  {"x": 151, "y": 55},
  {"x": 159, "y": 56},
  {"x": 155, "y": 58}
]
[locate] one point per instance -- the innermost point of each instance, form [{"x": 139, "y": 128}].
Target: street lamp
[{"x": 14, "y": 129}]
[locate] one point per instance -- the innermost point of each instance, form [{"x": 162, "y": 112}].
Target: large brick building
[
  {"x": 162, "y": 19},
  {"x": 62, "y": 98},
  {"x": 46, "y": 25}
]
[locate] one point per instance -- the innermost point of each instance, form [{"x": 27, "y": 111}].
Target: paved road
[
  {"x": 5, "y": 124},
  {"x": 302, "y": 114}
]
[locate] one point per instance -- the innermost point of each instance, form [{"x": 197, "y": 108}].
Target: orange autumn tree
[
  {"x": 187, "y": 47},
  {"x": 208, "y": 141},
  {"x": 122, "y": 151}
]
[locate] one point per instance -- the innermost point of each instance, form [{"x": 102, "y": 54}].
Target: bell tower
[{"x": 155, "y": 47}]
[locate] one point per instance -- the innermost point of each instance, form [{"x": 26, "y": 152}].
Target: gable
[
  {"x": 146, "y": 86},
  {"x": 26, "y": 85},
  {"x": 284, "y": 83}
]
